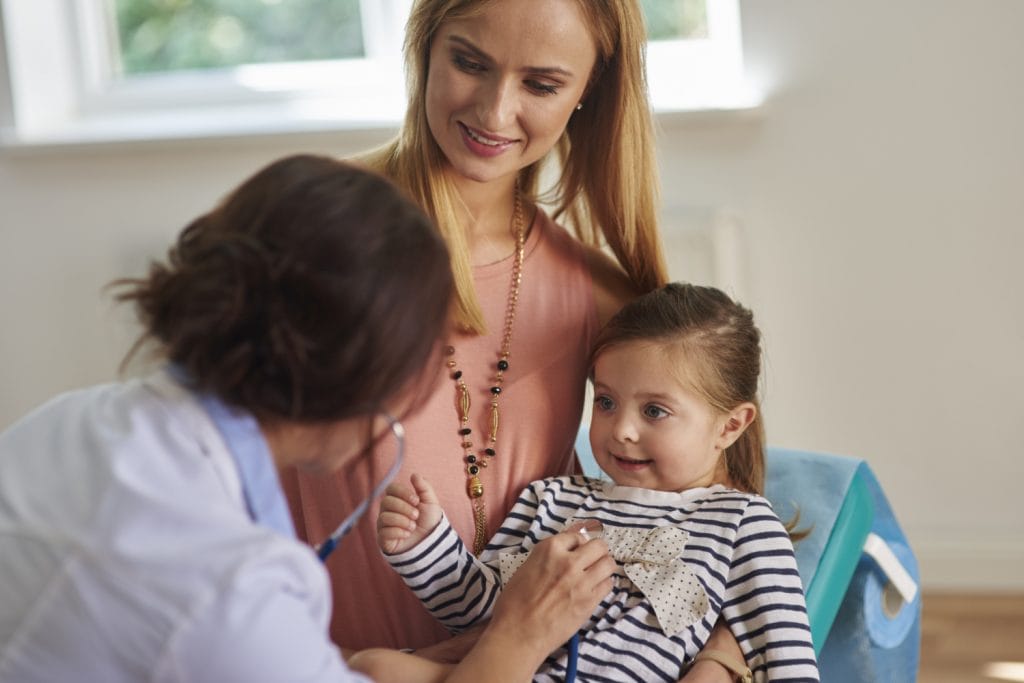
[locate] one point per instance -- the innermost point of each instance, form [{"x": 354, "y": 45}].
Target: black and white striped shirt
[{"x": 736, "y": 546}]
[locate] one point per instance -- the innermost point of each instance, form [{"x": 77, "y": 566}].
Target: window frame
[{"x": 69, "y": 94}]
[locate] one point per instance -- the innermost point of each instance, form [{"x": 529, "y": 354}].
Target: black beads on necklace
[{"x": 474, "y": 463}]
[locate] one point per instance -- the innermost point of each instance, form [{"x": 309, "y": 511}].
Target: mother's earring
[{"x": 579, "y": 105}]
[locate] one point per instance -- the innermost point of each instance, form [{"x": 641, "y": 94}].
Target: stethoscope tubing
[
  {"x": 324, "y": 550},
  {"x": 573, "y": 656}
]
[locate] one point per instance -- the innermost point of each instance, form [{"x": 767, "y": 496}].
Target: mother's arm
[{"x": 709, "y": 670}]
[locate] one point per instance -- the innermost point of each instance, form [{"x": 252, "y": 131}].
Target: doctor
[{"x": 143, "y": 532}]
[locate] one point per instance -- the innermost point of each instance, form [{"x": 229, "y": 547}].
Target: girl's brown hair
[
  {"x": 722, "y": 348},
  {"x": 315, "y": 291}
]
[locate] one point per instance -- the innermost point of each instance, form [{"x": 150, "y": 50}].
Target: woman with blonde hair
[
  {"x": 600, "y": 135},
  {"x": 511, "y": 103}
]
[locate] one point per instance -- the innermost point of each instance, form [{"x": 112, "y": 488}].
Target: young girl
[{"x": 676, "y": 427}]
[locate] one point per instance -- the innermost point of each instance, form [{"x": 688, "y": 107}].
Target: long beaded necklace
[{"x": 474, "y": 462}]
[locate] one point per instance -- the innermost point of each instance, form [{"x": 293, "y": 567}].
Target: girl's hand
[{"x": 407, "y": 515}]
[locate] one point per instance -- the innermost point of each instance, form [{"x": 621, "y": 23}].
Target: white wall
[
  {"x": 879, "y": 196},
  {"x": 880, "y": 192}
]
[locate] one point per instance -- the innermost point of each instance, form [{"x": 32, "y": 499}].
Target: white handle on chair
[{"x": 876, "y": 547}]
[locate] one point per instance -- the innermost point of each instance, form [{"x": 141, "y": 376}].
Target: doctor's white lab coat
[{"x": 127, "y": 552}]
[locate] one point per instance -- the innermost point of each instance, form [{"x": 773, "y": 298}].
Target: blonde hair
[{"x": 607, "y": 188}]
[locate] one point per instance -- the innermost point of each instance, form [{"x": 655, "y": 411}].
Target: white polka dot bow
[{"x": 651, "y": 559}]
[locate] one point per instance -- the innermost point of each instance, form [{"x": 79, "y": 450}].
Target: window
[
  {"x": 675, "y": 19},
  {"x": 97, "y": 70},
  {"x": 695, "y": 56},
  {"x": 234, "y": 49},
  {"x": 150, "y": 36}
]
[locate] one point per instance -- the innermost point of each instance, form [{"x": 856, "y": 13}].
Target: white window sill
[
  {"x": 312, "y": 115},
  {"x": 319, "y": 115}
]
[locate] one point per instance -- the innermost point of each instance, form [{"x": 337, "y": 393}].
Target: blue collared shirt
[{"x": 256, "y": 468}]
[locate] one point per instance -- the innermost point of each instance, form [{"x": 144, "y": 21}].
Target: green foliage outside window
[
  {"x": 168, "y": 35},
  {"x": 673, "y": 19},
  {"x": 171, "y": 35}
]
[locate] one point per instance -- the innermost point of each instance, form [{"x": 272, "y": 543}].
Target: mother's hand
[
  {"x": 706, "y": 670},
  {"x": 548, "y": 599}
]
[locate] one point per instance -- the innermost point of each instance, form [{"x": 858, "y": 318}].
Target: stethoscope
[
  {"x": 573, "y": 655},
  {"x": 573, "y": 646},
  {"x": 327, "y": 547}
]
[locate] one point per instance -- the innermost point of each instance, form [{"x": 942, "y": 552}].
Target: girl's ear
[{"x": 735, "y": 423}]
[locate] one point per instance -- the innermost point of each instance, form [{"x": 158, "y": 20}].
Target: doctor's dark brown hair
[
  {"x": 315, "y": 291},
  {"x": 722, "y": 350}
]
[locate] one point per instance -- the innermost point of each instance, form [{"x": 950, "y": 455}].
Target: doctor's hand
[
  {"x": 408, "y": 513},
  {"x": 553, "y": 594}
]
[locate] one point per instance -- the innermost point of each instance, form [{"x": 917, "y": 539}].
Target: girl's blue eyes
[
  {"x": 650, "y": 411},
  {"x": 654, "y": 412},
  {"x": 469, "y": 66}
]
